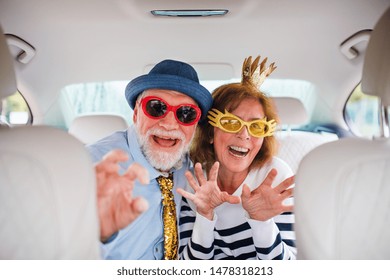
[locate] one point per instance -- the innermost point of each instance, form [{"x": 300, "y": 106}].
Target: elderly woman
[{"x": 241, "y": 204}]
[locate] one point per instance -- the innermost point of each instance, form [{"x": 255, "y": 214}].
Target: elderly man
[{"x": 139, "y": 169}]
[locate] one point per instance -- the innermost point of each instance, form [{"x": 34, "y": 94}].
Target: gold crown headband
[{"x": 255, "y": 73}]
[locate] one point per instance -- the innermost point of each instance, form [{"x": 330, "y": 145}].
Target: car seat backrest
[
  {"x": 294, "y": 144},
  {"x": 342, "y": 192},
  {"x": 48, "y": 206},
  {"x": 90, "y": 128}
]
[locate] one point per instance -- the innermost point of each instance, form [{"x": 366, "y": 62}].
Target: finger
[
  {"x": 286, "y": 194},
  {"x": 213, "y": 174},
  {"x": 186, "y": 194},
  {"x": 126, "y": 188},
  {"x": 104, "y": 188},
  {"x": 289, "y": 208},
  {"x": 115, "y": 156},
  {"x": 198, "y": 170},
  {"x": 109, "y": 162},
  {"x": 106, "y": 167},
  {"x": 100, "y": 179},
  {"x": 139, "y": 205},
  {"x": 137, "y": 171},
  {"x": 232, "y": 199},
  {"x": 285, "y": 184},
  {"x": 246, "y": 192},
  {"x": 267, "y": 181},
  {"x": 191, "y": 180}
]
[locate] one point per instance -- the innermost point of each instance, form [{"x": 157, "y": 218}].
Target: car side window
[
  {"x": 14, "y": 110},
  {"x": 362, "y": 113}
]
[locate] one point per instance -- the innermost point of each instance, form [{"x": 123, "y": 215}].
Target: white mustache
[{"x": 174, "y": 134}]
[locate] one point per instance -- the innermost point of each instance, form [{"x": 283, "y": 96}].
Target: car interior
[{"x": 65, "y": 65}]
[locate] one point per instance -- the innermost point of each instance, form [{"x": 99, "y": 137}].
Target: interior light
[{"x": 189, "y": 13}]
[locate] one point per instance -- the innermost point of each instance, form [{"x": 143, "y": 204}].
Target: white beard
[{"x": 161, "y": 160}]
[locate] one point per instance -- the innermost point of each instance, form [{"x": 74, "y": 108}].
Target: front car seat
[
  {"x": 48, "y": 204},
  {"x": 342, "y": 193}
]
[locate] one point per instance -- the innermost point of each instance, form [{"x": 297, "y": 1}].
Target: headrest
[
  {"x": 90, "y": 128},
  {"x": 291, "y": 111},
  {"x": 376, "y": 69},
  {"x": 7, "y": 74}
]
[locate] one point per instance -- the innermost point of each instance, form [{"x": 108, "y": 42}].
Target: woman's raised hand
[
  {"x": 207, "y": 194},
  {"x": 266, "y": 202}
]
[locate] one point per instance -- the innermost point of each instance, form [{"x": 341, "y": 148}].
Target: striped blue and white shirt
[{"x": 232, "y": 234}]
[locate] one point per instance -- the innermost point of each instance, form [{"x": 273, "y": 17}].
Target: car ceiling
[{"x": 99, "y": 40}]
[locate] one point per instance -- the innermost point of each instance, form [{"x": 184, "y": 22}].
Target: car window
[
  {"x": 15, "y": 111},
  {"x": 108, "y": 97},
  {"x": 361, "y": 113},
  {"x": 90, "y": 98}
]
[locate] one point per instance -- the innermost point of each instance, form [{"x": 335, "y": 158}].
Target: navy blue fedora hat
[{"x": 171, "y": 75}]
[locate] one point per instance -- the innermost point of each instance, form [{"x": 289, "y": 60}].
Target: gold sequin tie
[{"x": 169, "y": 217}]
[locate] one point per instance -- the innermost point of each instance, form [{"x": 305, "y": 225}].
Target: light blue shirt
[{"x": 143, "y": 238}]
